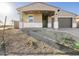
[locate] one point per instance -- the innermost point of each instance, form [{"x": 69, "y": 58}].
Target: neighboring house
[
  {"x": 42, "y": 15},
  {"x": 77, "y": 20}
]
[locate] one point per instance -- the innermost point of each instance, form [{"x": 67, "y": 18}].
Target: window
[{"x": 31, "y": 18}]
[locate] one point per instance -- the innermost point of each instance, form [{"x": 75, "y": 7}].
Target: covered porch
[{"x": 48, "y": 19}]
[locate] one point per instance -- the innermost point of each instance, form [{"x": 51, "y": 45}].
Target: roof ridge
[
  {"x": 39, "y": 2},
  {"x": 47, "y": 5}
]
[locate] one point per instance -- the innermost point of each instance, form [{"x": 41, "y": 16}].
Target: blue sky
[{"x": 69, "y": 6}]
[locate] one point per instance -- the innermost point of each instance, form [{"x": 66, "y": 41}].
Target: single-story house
[{"x": 42, "y": 15}]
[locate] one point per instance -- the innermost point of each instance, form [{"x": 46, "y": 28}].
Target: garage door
[{"x": 65, "y": 22}]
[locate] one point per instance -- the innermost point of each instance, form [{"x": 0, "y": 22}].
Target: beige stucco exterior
[
  {"x": 63, "y": 13},
  {"x": 77, "y": 20},
  {"x": 38, "y": 9},
  {"x": 37, "y": 17}
]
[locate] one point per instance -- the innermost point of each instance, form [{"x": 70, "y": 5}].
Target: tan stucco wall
[
  {"x": 77, "y": 19},
  {"x": 37, "y": 17},
  {"x": 65, "y": 14},
  {"x": 49, "y": 19}
]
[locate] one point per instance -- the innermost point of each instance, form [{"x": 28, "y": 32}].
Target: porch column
[
  {"x": 74, "y": 23},
  {"x": 49, "y": 22},
  {"x": 21, "y": 24},
  {"x": 56, "y": 20}
]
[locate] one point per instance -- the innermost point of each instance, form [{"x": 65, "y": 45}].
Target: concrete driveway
[
  {"x": 52, "y": 37},
  {"x": 73, "y": 31}
]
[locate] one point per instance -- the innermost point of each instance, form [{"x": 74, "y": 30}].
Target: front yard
[
  {"x": 18, "y": 43},
  {"x": 22, "y": 43}
]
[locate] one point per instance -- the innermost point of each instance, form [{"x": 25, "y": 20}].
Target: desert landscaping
[
  {"x": 18, "y": 43},
  {"x": 40, "y": 29}
]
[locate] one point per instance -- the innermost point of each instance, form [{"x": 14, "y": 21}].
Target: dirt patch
[{"x": 18, "y": 43}]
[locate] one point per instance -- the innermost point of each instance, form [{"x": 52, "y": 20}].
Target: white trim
[
  {"x": 74, "y": 25},
  {"x": 30, "y": 25},
  {"x": 49, "y": 25},
  {"x": 55, "y": 24}
]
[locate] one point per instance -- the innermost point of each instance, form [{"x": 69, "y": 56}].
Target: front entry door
[{"x": 45, "y": 20}]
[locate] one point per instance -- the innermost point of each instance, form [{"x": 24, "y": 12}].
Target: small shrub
[
  {"x": 68, "y": 41},
  {"x": 76, "y": 45},
  {"x": 35, "y": 45},
  {"x": 3, "y": 46}
]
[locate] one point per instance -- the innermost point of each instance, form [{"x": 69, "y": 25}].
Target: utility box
[{"x": 16, "y": 24}]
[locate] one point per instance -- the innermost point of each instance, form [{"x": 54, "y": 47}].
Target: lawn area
[{"x": 18, "y": 43}]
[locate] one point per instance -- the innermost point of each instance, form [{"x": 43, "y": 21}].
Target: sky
[{"x": 12, "y": 13}]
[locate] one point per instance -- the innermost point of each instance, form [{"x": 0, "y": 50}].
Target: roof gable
[
  {"x": 64, "y": 13},
  {"x": 44, "y": 6},
  {"x": 37, "y": 6}
]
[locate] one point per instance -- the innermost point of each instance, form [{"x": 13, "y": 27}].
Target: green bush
[
  {"x": 76, "y": 45},
  {"x": 3, "y": 45},
  {"x": 68, "y": 41}
]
